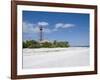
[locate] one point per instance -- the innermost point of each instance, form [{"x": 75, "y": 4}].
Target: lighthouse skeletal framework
[{"x": 41, "y": 33}]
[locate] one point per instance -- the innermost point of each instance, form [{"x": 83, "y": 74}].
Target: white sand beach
[{"x": 55, "y": 57}]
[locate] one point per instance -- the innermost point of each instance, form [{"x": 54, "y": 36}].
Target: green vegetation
[{"x": 36, "y": 44}]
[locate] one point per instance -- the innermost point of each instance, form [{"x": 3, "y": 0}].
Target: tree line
[{"x": 36, "y": 44}]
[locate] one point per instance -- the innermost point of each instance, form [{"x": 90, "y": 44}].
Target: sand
[{"x": 55, "y": 57}]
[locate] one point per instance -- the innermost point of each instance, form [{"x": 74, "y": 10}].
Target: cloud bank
[
  {"x": 43, "y": 23},
  {"x": 34, "y": 27}
]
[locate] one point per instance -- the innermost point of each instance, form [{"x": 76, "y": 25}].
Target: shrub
[{"x": 36, "y": 44}]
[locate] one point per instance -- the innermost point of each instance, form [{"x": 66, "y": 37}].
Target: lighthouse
[
  {"x": 41, "y": 37},
  {"x": 41, "y": 33}
]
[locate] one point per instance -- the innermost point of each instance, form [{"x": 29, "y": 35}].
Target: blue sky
[{"x": 71, "y": 27}]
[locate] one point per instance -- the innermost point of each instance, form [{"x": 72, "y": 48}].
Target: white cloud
[
  {"x": 68, "y": 25},
  {"x": 62, "y": 25},
  {"x": 58, "y": 25},
  {"x": 43, "y": 23},
  {"x": 28, "y": 27},
  {"x": 34, "y": 28}
]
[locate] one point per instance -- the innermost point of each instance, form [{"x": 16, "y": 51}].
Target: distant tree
[
  {"x": 28, "y": 43},
  {"x": 55, "y": 42},
  {"x": 31, "y": 44},
  {"x": 47, "y": 45},
  {"x": 62, "y": 44},
  {"x": 36, "y": 44},
  {"x": 24, "y": 45}
]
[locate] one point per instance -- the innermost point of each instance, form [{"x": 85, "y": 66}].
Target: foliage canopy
[{"x": 36, "y": 44}]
